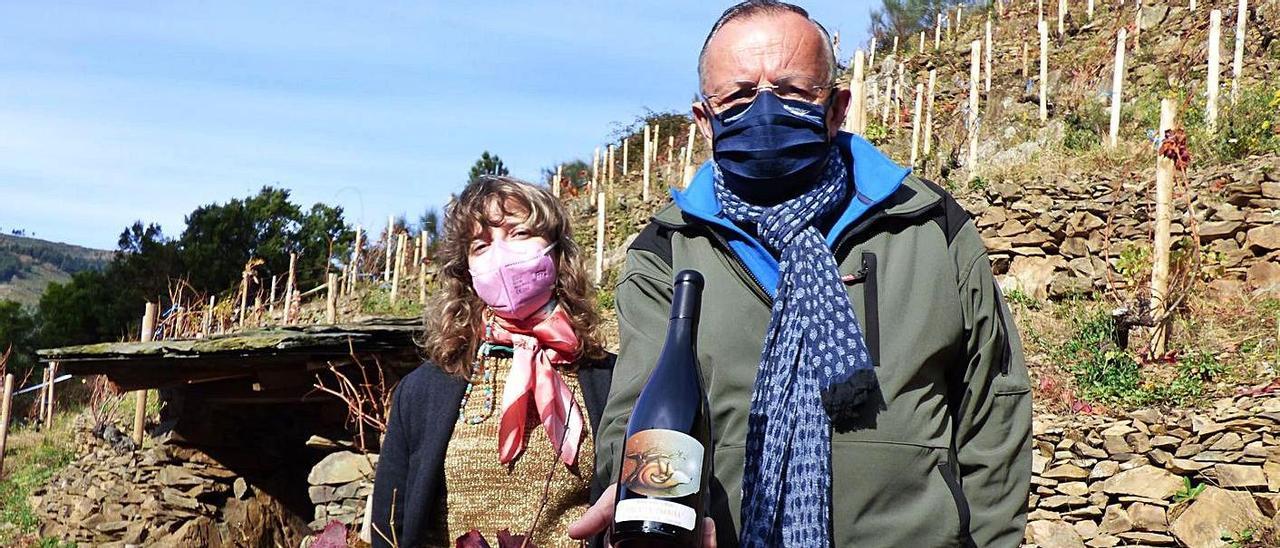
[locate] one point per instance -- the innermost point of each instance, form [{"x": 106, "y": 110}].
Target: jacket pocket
[
  {"x": 962, "y": 503},
  {"x": 891, "y": 494},
  {"x": 871, "y": 301}
]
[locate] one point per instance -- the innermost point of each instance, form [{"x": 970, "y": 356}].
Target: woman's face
[{"x": 509, "y": 230}]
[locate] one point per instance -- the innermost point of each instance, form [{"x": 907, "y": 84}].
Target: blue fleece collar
[{"x": 875, "y": 178}]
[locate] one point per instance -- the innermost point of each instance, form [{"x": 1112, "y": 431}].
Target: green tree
[
  {"x": 17, "y": 335},
  {"x": 488, "y": 164}
]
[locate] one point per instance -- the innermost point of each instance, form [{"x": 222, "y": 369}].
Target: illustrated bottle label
[
  {"x": 662, "y": 463},
  {"x": 672, "y": 513}
]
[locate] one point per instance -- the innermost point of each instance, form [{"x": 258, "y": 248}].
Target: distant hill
[{"x": 28, "y": 265}]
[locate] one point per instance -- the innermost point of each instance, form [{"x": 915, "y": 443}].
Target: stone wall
[
  {"x": 167, "y": 495},
  {"x": 1100, "y": 481},
  {"x": 340, "y": 485},
  {"x": 1055, "y": 237}
]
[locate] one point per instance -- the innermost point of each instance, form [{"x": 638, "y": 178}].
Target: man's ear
[
  {"x": 702, "y": 117},
  {"x": 838, "y": 111}
]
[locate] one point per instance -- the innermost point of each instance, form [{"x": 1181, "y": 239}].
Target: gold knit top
[{"x": 482, "y": 493}]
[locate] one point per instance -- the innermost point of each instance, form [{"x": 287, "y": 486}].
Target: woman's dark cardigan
[{"x": 411, "y": 465}]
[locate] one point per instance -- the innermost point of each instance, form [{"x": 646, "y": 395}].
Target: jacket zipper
[
  {"x": 756, "y": 286},
  {"x": 962, "y": 504},
  {"x": 871, "y": 301}
]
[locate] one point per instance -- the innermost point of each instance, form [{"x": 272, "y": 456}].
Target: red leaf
[
  {"x": 333, "y": 536},
  {"x": 1082, "y": 407},
  {"x": 473, "y": 539},
  {"x": 1259, "y": 390},
  {"x": 508, "y": 540}
]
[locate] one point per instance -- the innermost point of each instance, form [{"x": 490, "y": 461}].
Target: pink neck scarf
[{"x": 540, "y": 342}]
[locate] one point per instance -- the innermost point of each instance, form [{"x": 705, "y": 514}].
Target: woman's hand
[{"x": 600, "y": 515}]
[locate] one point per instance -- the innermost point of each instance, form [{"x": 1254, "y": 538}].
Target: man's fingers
[
  {"x": 597, "y": 518},
  {"x": 708, "y": 533}
]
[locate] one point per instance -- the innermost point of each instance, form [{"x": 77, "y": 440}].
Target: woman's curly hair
[{"x": 455, "y": 320}]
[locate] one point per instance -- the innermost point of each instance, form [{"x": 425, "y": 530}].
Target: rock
[
  {"x": 1241, "y": 476},
  {"x": 1115, "y": 520},
  {"x": 1228, "y": 442},
  {"x": 320, "y": 494},
  {"x": 1053, "y": 534},
  {"x": 1104, "y": 469},
  {"x": 1075, "y": 488},
  {"x": 1214, "y": 512},
  {"x": 1266, "y": 237},
  {"x": 241, "y": 488},
  {"x": 1144, "y": 481},
  {"x": 1032, "y": 275},
  {"x": 1067, "y": 472},
  {"x": 1218, "y": 230},
  {"x": 1264, "y": 276},
  {"x": 339, "y": 468},
  {"x": 1138, "y": 538},
  {"x": 1148, "y": 517}
]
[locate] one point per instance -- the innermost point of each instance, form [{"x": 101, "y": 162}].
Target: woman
[{"x": 496, "y": 434}]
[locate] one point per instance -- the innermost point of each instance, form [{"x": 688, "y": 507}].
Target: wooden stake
[
  {"x": 1137, "y": 25},
  {"x": 921, "y": 50},
  {"x": 975, "y": 72},
  {"x": 937, "y": 33},
  {"x": 6, "y": 409},
  {"x": 355, "y": 259},
  {"x": 688, "y": 154},
  {"x": 886, "y": 101},
  {"x": 853, "y": 121},
  {"x": 928, "y": 113},
  {"x": 140, "y": 397},
  {"x": 959, "y": 16},
  {"x": 244, "y": 296},
  {"x": 897, "y": 100},
  {"x": 50, "y": 399},
  {"x": 648, "y": 136},
  {"x": 1025, "y": 74},
  {"x": 987, "y": 61},
  {"x": 1211, "y": 86},
  {"x": 1192, "y": 5},
  {"x": 291, "y": 284},
  {"x": 555, "y": 185},
  {"x": 671, "y": 148},
  {"x": 399, "y": 267},
  {"x": 595, "y": 171},
  {"x": 1237, "y": 64},
  {"x": 599, "y": 270},
  {"x": 1117, "y": 88},
  {"x": 208, "y": 317},
  {"x": 271, "y": 302},
  {"x": 331, "y": 300},
  {"x": 391, "y": 232},
  {"x": 915, "y": 125},
  {"x": 1044, "y": 71},
  {"x": 1062, "y": 10},
  {"x": 895, "y": 46},
  {"x": 1163, "y": 215},
  {"x": 872, "y": 62},
  {"x": 1088, "y": 10},
  {"x": 609, "y": 173},
  {"x": 1039, "y": 12}
]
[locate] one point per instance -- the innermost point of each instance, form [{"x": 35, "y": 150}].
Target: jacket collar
[{"x": 875, "y": 179}]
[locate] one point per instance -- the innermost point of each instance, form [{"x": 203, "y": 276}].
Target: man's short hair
[{"x": 751, "y": 8}]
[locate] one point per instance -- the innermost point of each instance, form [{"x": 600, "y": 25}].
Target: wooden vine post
[
  {"x": 1237, "y": 62},
  {"x": 872, "y": 62},
  {"x": 928, "y": 113},
  {"x": 391, "y": 231},
  {"x": 1117, "y": 89},
  {"x": 1163, "y": 219},
  {"x": 398, "y": 269},
  {"x": 244, "y": 296},
  {"x": 612, "y": 159},
  {"x": 975, "y": 73},
  {"x": 987, "y": 57},
  {"x": 856, "y": 121},
  {"x": 1044, "y": 71},
  {"x": 49, "y": 393},
  {"x": 897, "y": 105},
  {"x": 291, "y": 284},
  {"x": 599, "y": 266},
  {"x": 1088, "y": 9},
  {"x": 140, "y": 397},
  {"x": 6, "y": 409},
  {"x": 271, "y": 300},
  {"x": 207, "y": 324},
  {"x": 1137, "y": 25},
  {"x": 555, "y": 185},
  {"x": 626, "y": 144},
  {"x": 1025, "y": 74},
  {"x": 331, "y": 300},
  {"x": 1062, "y": 10},
  {"x": 1211, "y": 85},
  {"x": 937, "y": 34},
  {"x": 595, "y": 172},
  {"x": 915, "y": 125},
  {"x": 354, "y": 272},
  {"x": 648, "y": 136}
]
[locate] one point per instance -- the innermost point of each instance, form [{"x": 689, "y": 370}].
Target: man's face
[{"x": 765, "y": 49}]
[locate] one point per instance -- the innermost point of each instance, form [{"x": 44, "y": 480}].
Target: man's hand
[{"x": 600, "y": 515}]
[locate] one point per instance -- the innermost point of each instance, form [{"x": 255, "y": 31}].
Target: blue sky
[{"x": 112, "y": 112}]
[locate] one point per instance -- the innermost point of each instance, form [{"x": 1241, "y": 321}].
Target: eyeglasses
[{"x": 796, "y": 88}]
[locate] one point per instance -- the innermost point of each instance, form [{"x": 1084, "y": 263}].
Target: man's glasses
[{"x": 797, "y": 88}]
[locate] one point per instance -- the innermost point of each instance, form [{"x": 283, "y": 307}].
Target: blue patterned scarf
[{"x": 814, "y": 367}]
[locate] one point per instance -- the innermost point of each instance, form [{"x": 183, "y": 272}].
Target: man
[{"x": 866, "y": 381}]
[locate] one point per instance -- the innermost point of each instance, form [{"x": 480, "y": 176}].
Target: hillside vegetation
[{"x": 28, "y": 265}]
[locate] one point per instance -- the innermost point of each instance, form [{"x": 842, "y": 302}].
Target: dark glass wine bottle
[{"x": 666, "y": 461}]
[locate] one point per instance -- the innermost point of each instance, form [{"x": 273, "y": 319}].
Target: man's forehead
[{"x": 780, "y": 37}]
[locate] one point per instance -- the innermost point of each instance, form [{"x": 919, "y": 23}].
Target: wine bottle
[{"x": 666, "y": 461}]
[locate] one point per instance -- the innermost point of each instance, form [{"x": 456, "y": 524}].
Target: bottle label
[
  {"x": 671, "y": 513},
  {"x": 662, "y": 463}
]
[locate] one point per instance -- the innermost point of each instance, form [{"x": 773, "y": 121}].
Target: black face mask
[{"x": 772, "y": 149}]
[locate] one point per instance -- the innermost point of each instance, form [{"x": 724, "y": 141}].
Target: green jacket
[{"x": 946, "y": 460}]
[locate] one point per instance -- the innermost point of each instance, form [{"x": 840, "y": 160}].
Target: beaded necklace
[{"x": 482, "y": 366}]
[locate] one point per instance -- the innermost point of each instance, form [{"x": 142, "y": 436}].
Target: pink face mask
[{"x": 520, "y": 285}]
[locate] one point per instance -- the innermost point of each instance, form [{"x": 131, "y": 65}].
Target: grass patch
[{"x": 32, "y": 457}]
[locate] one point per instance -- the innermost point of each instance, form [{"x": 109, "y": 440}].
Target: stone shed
[{"x": 247, "y": 450}]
